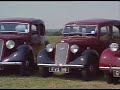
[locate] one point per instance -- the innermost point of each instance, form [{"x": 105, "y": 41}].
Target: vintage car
[
  {"x": 79, "y": 50},
  {"x": 110, "y": 58},
  {"x": 20, "y": 39}
]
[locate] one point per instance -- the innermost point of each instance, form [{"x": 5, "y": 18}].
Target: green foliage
[{"x": 54, "y": 32}]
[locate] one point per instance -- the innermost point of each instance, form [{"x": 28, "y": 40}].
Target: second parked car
[{"x": 80, "y": 48}]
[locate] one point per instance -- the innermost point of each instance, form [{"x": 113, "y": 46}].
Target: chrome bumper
[
  {"x": 10, "y": 63},
  {"x": 55, "y": 65},
  {"x": 108, "y": 68}
]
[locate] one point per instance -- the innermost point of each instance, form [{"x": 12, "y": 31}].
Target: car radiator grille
[
  {"x": 1, "y": 47},
  {"x": 61, "y": 53}
]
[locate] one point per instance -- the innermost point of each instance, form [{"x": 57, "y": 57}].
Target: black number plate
[
  {"x": 59, "y": 69},
  {"x": 116, "y": 73}
]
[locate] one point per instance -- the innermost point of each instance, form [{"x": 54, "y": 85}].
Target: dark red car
[
  {"x": 20, "y": 39},
  {"x": 110, "y": 58},
  {"x": 79, "y": 50}
]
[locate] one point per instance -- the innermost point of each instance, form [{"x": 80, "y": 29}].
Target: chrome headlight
[
  {"x": 10, "y": 44},
  {"x": 74, "y": 48},
  {"x": 49, "y": 47},
  {"x": 114, "y": 46}
]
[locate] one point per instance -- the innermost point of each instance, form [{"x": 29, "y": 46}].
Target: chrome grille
[
  {"x": 1, "y": 47},
  {"x": 61, "y": 53}
]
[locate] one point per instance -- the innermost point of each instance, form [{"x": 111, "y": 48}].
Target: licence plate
[
  {"x": 116, "y": 73},
  {"x": 59, "y": 69}
]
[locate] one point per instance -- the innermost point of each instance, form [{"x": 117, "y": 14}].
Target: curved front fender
[
  {"x": 86, "y": 58},
  {"x": 43, "y": 58},
  {"x": 20, "y": 54},
  {"x": 108, "y": 58}
]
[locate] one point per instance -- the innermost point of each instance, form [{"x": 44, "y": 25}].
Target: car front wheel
[
  {"x": 89, "y": 73},
  {"x": 45, "y": 72},
  {"x": 26, "y": 68},
  {"x": 108, "y": 77}
]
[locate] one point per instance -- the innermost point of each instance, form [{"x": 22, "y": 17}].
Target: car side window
[
  {"x": 34, "y": 29},
  {"x": 104, "y": 33},
  {"x": 21, "y": 28},
  {"x": 35, "y": 33},
  {"x": 42, "y": 29},
  {"x": 116, "y": 33},
  {"x": 2, "y": 28}
]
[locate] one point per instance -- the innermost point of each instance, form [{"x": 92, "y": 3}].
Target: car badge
[{"x": 62, "y": 48}]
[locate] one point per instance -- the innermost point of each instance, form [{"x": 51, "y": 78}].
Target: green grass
[
  {"x": 57, "y": 81},
  {"x": 14, "y": 81},
  {"x": 54, "y": 39}
]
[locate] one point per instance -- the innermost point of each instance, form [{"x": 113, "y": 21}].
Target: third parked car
[{"x": 110, "y": 57}]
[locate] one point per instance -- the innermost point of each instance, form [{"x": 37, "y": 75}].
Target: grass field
[
  {"x": 54, "y": 39},
  {"x": 57, "y": 81}
]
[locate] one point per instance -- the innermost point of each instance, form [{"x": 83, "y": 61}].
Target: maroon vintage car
[
  {"x": 79, "y": 50},
  {"x": 20, "y": 39},
  {"x": 110, "y": 58}
]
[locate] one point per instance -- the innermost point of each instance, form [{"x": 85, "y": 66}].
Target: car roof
[
  {"x": 22, "y": 20},
  {"x": 101, "y": 22}
]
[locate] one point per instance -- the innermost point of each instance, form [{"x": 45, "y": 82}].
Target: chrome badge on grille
[{"x": 61, "y": 48}]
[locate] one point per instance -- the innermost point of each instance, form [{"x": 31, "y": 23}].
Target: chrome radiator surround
[{"x": 61, "y": 53}]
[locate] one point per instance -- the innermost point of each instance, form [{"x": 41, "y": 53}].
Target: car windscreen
[
  {"x": 79, "y": 30},
  {"x": 14, "y": 27}
]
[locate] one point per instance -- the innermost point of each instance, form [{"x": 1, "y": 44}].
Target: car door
[
  {"x": 35, "y": 38},
  {"x": 105, "y": 37}
]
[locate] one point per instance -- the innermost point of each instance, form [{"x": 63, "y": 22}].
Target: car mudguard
[
  {"x": 43, "y": 58},
  {"x": 21, "y": 53},
  {"x": 87, "y": 57}
]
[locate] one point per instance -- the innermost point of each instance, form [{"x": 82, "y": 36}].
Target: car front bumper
[
  {"x": 115, "y": 71},
  {"x": 108, "y": 68},
  {"x": 61, "y": 65},
  {"x": 10, "y": 63}
]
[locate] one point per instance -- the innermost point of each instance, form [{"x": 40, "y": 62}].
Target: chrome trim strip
[
  {"x": 1, "y": 49},
  {"x": 10, "y": 63},
  {"x": 55, "y": 65},
  {"x": 109, "y": 68}
]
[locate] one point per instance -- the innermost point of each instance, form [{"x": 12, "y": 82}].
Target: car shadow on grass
[
  {"x": 71, "y": 76},
  {"x": 77, "y": 76},
  {"x": 67, "y": 76}
]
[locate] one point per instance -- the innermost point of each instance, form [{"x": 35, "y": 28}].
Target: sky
[{"x": 56, "y": 14}]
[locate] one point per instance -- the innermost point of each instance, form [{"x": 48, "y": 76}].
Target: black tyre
[
  {"x": 108, "y": 78},
  {"x": 85, "y": 75},
  {"x": 27, "y": 66},
  {"x": 45, "y": 72},
  {"x": 89, "y": 72},
  {"x": 115, "y": 80}
]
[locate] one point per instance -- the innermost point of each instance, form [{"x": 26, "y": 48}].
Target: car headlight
[
  {"x": 49, "y": 47},
  {"x": 114, "y": 46},
  {"x": 10, "y": 44},
  {"x": 74, "y": 48}
]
